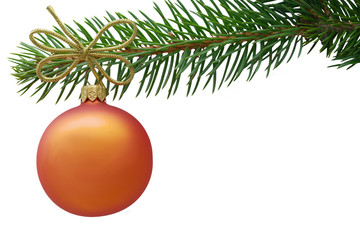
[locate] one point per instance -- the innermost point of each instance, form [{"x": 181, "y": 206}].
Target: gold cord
[{"x": 80, "y": 53}]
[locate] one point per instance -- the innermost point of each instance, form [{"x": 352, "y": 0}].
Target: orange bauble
[{"x": 94, "y": 159}]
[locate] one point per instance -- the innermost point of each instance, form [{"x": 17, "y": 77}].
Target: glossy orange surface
[{"x": 94, "y": 160}]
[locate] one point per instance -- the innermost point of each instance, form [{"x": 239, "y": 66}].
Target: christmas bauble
[{"x": 94, "y": 159}]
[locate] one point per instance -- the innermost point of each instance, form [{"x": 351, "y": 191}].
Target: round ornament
[{"x": 94, "y": 159}]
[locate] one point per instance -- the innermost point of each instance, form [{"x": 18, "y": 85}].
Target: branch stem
[{"x": 171, "y": 47}]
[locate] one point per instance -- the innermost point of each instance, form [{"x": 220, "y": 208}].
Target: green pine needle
[{"x": 204, "y": 43}]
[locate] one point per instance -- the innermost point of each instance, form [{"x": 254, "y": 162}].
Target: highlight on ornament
[{"x": 94, "y": 159}]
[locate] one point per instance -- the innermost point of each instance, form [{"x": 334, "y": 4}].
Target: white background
[{"x": 275, "y": 158}]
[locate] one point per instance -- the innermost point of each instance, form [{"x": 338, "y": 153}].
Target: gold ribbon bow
[{"x": 80, "y": 53}]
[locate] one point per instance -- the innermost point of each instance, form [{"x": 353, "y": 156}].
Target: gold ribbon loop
[
  {"x": 79, "y": 52},
  {"x": 51, "y": 49}
]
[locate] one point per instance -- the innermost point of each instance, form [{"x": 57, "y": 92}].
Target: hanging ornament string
[{"x": 80, "y": 53}]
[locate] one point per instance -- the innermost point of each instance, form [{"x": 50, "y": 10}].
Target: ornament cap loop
[{"x": 93, "y": 92}]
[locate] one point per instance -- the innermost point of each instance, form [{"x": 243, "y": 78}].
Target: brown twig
[{"x": 217, "y": 39}]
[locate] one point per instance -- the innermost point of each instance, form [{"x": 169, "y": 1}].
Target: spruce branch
[{"x": 213, "y": 44}]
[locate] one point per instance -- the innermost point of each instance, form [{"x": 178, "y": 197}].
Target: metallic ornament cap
[{"x": 93, "y": 92}]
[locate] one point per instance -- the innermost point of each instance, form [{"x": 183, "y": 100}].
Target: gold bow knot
[{"x": 81, "y": 53}]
